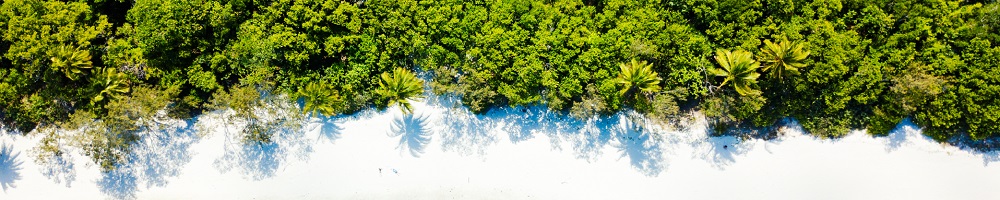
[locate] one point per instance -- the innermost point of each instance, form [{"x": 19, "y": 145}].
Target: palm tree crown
[
  {"x": 399, "y": 87},
  {"x": 783, "y": 58},
  {"x": 114, "y": 82},
  {"x": 637, "y": 76},
  {"x": 319, "y": 98},
  {"x": 738, "y": 68},
  {"x": 71, "y": 61}
]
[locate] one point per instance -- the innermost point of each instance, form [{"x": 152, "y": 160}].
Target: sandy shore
[{"x": 444, "y": 152}]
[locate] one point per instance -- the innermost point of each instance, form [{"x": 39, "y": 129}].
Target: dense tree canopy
[{"x": 835, "y": 65}]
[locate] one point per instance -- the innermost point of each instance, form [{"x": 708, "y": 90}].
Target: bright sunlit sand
[{"x": 444, "y": 152}]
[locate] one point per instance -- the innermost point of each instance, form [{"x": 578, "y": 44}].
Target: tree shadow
[
  {"x": 10, "y": 167},
  {"x": 258, "y": 161},
  {"x": 907, "y": 131},
  {"x": 524, "y": 122},
  {"x": 629, "y": 133},
  {"x": 988, "y": 149},
  {"x": 634, "y": 141},
  {"x": 591, "y": 137},
  {"x": 329, "y": 128},
  {"x": 721, "y": 152},
  {"x": 463, "y": 132},
  {"x": 990, "y": 157},
  {"x": 469, "y": 133},
  {"x": 59, "y": 169},
  {"x": 159, "y": 155},
  {"x": 898, "y": 136},
  {"x": 414, "y": 132},
  {"x": 118, "y": 184}
]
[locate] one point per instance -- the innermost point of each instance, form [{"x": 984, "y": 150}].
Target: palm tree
[
  {"x": 399, "y": 87},
  {"x": 115, "y": 84},
  {"x": 637, "y": 76},
  {"x": 71, "y": 61},
  {"x": 739, "y": 68},
  {"x": 783, "y": 58},
  {"x": 320, "y": 98}
]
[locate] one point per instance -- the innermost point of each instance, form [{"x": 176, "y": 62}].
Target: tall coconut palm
[
  {"x": 738, "y": 68},
  {"x": 114, "y": 82},
  {"x": 637, "y": 76},
  {"x": 71, "y": 61},
  {"x": 399, "y": 87},
  {"x": 320, "y": 98},
  {"x": 784, "y": 58}
]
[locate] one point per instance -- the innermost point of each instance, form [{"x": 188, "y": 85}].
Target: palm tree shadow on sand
[
  {"x": 625, "y": 132},
  {"x": 330, "y": 129},
  {"x": 10, "y": 167},
  {"x": 414, "y": 133},
  {"x": 469, "y": 133}
]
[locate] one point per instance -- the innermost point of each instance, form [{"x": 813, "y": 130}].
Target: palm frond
[
  {"x": 320, "y": 98},
  {"x": 399, "y": 87},
  {"x": 71, "y": 62},
  {"x": 637, "y": 76},
  {"x": 739, "y": 69},
  {"x": 115, "y": 85},
  {"x": 784, "y": 58}
]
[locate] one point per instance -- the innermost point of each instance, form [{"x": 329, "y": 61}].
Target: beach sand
[{"x": 444, "y": 152}]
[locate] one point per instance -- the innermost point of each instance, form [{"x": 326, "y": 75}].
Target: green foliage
[
  {"x": 108, "y": 142},
  {"x": 107, "y": 139},
  {"x": 320, "y": 98},
  {"x": 737, "y": 68},
  {"x": 38, "y": 31},
  {"x": 255, "y": 105},
  {"x": 915, "y": 86},
  {"x": 114, "y": 84},
  {"x": 523, "y": 53},
  {"x": 636, "y": 77},
  {"x": 663, "y": 107},
  {"x": 590, "y": 105},
  {"x": 838, "y": 65},
  {"x": 726, "y": 112},
  {"x": 46, "y": 47},
  {"x": 398, "y": 88},
  {"x": 71, "y": 62},
  {"x": 965, "y": 103},
  {"x": 782, "y": 59},
  {"x": 833, "y": 126}
]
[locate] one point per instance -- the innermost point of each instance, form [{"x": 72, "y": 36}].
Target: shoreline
[{"x": 513, "y": 154}]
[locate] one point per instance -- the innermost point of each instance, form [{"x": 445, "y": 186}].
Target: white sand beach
[{"x": 444, "y": 152}]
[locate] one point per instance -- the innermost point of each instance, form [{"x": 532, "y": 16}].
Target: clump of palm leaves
[
  {"x": 71, "y": 61},
  {"x": 320, "y": 98},
  {"x": 114, "y": 84},
  {"x": 784, "y": 58},
  {"x": 636, "y": 77},
  {"x": 399, "y": 87},
  {"x": 739, "y": 69}
]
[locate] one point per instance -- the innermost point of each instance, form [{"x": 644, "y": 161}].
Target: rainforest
[{"x": 106, "y": 67}]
